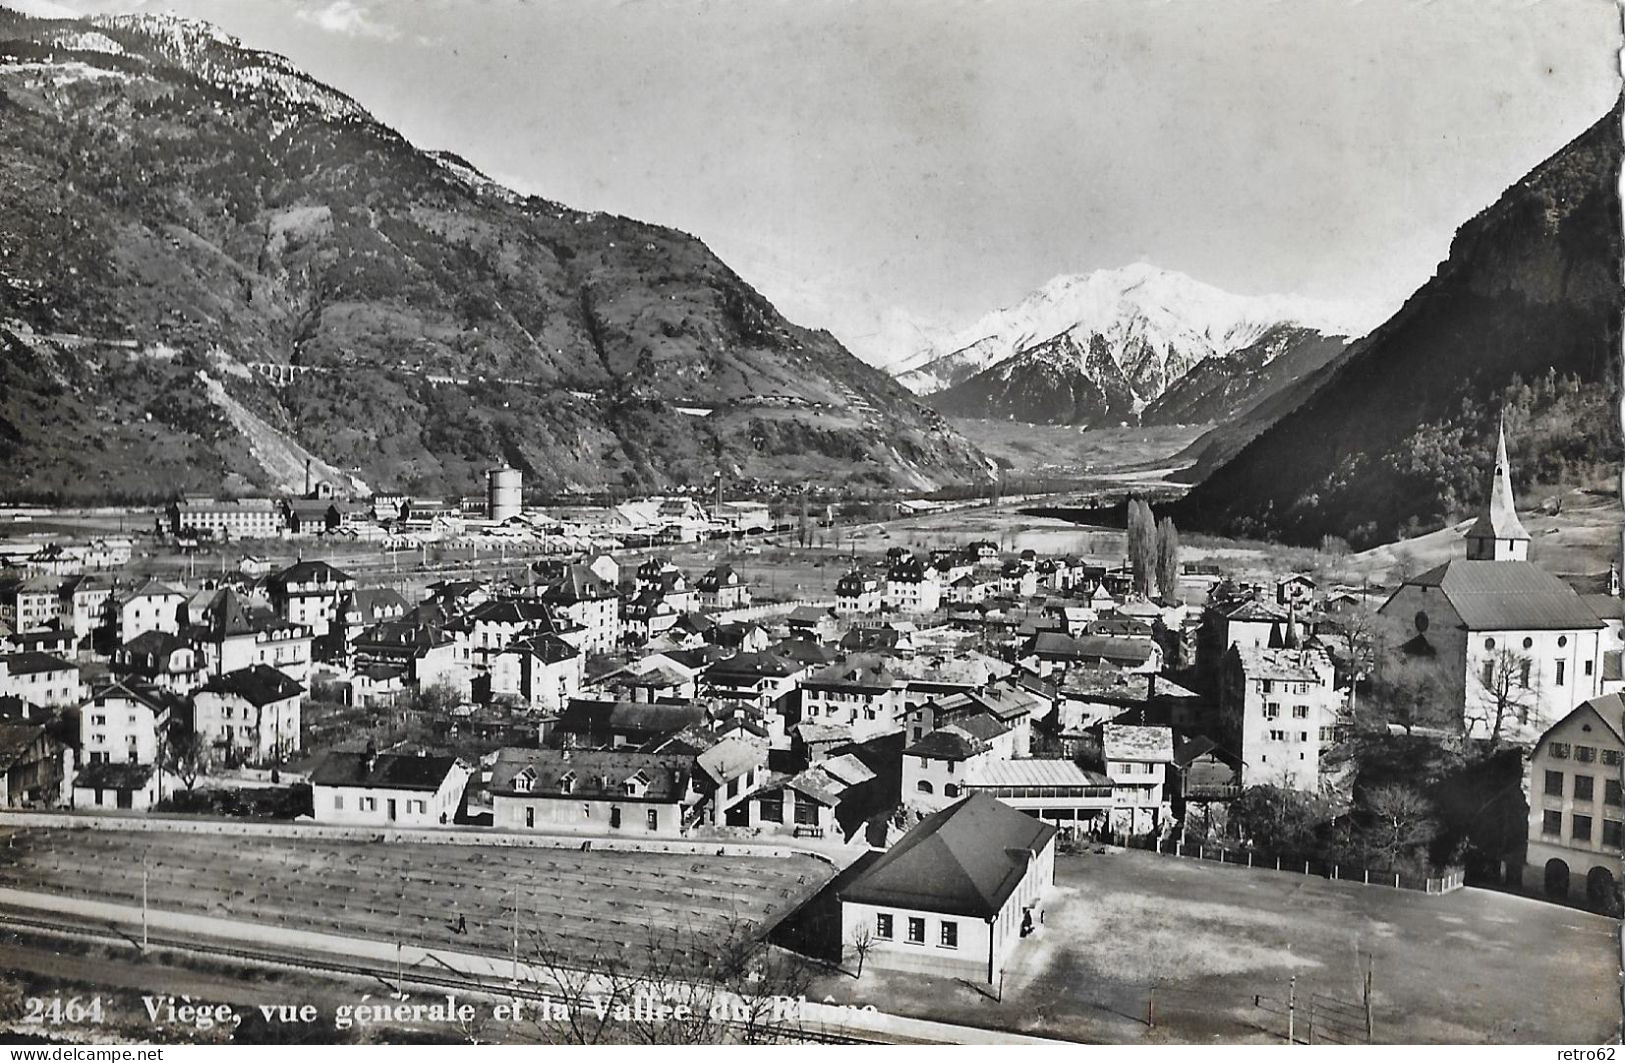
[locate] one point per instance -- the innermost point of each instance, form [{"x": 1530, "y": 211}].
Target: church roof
[
  {"x": 1507, "y": 596},
  {"x": 1499, "y": 520}
]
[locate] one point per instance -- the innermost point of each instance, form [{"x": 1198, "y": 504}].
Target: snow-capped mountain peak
[{"x": 1137, "y": 305}]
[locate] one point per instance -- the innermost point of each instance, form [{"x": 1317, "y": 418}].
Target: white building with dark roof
[
  {"x": 1281, "y": 708},
  {"x": 1575, "y": 787},
  {"x": 387, "y": 789},
  {"x": 593, "y": 791},
  {"x": 956, "y": 894},
  {"x": 1518, "y": 647}
]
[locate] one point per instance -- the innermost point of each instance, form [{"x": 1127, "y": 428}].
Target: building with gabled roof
[
  {"x": 1516, "y": 647},
  {"x": 1574, "y": 784},
  {"x": 593, "y": 791},
  {"x": 956, "y": 894},
  {"x": 387, "y": 789},
  {"x": 32, "y": 765},
  {"x": 249, "y": 715},
  {"x": 829, "y": 799}
]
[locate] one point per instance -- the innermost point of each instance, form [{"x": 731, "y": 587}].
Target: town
[{"x": 932, "y": 733}]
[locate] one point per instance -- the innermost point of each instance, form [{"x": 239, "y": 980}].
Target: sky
[{"x": 876, "y": 167}]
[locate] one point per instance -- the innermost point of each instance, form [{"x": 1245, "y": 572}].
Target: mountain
[
  {"x": 212, "y": 266},
  {"x": 1221, "y": 390},
  {"x": 1521, "y": 322},
  {"x": 1103, "y": 347}
]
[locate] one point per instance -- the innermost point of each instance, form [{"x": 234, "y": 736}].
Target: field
[
  {"x": 577, "y": 906},
  {"x": 1066, "y": 450},
  {"x": 1221, "y": 946}
]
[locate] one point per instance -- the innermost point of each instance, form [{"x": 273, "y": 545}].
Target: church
[{"x": 1518, "y": 648}]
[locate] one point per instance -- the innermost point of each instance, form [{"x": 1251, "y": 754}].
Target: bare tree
[
  {"x": 1506, "y": 681},
  {"x": 186, "y": 756},
  {"x": 1401, "y": 822},
  {"x": 863, "y": 943}
]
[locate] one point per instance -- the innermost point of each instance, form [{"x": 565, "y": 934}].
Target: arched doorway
[
  {"x": 1557, "y": 878},
  {"x": 1601, "y": 892}
]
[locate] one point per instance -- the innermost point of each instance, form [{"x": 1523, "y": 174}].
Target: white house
[
  {"x": 592, "y": 791},
  {"x": 251, "y": 714},
  {"x": 955, "y": 895},
  {"x": 1281, "y": 710},
  {"x": 387, "y": 790}
]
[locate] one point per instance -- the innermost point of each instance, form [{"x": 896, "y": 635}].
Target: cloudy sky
[{"x": 870, "y": 164}]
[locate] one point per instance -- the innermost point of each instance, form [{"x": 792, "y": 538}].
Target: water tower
[{"x": 503, "y": 488}]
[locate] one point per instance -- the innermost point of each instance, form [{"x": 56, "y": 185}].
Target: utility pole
[
  {"x": 1370, "y": 1023},
  {"x": 516, "y": 935},
  {"x": 1292, "y": 1011},
  {"x": 144, "y": 857}
]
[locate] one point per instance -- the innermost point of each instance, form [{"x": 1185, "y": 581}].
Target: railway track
[{"x": 415, "y": 977}]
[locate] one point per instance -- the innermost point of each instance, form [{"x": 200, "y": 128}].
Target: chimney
[
  {"x": 371, "y": 757},
  {"x": 307, "y": 477}
]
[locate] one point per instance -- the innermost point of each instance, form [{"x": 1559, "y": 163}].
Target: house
[
  {"x": 34, "y": 604},
  {"x": 1280, "y": 709},
  {"x": 1054, "y": 790},
  {"x": 765, "y": 680},
  {"x": 32, "y": 766},
  {"x": 127, "y": 787},
  {"x": 937, "y": 767},
  {"x": 722, "y": 588},
  {"x": 956, "y": 894},
  {"x": 1295, "y": 590},
  {"x": 126, "y": 721},
  {"x": 827, "y": 799},
  {"x": 543, "y": 670},
  {"x": 152, "y": 606},
  {"x": 229, "y": 635},
  {"x": 167, "y": 661},
  {"x": 590, "y": 601},
  {"x": 1137, "y": 761},
  {"x": 592, "y": 791},
  {"x": 609, "y": 724},
  {"x": 1052, "y": 652},
  {"x": 84, "y": 604},
  {"x": 308, "y": 594},
  {"x": 724, "y": 776},
  {"x": 387, "y": 789},
  {"x": 859, "y": 693},
  {"x": 812, "y": 622},
  {"x": 249, "y": 715},
  {"x": 364, "y": 607},
  {"x": 857, "y": 593},
  {"x": 912, "y": 586},
  {"x": 1573, "y": 784},
  {"x": 1517, "y": 648},
  {"x": 39, "y": 679}
]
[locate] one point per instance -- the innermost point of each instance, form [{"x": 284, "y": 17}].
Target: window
[
  {"x": 1489, "y": 674},
  {"x": 1326, "y": 734},
  {"x": 1585, "y": 754},
  {"x": 806, "y": 814},
  {"x": 883, "y": 926},
  {"x": 1554, "y": 784},
  {"x": 1271, "y": 710},
  {"x": 925, "y": 763},
  {"x": 1580, "y": 828},
  {"x": 1588, "y": 665},
  {"x": 1523, "y": 674},
  {"x": 1551, "y": 823},
  {"x": 950, "y": 934},
  {"x": 771, "y": 809},
  {"x": 1278, "y": 736},
  {"x": 1611, "y": 833},
  {"x": 950, "y": 790},
  {"x": 1582, "y": 788},
  {"x": 654, "y": 819},
  {"x": 1611, "y": 792},
  {"x": 916, "y": 931},
  {"x": 1560, "y": 750},
  {"x": 1300, "y": 712},
  {"x": 924, "y": 786},
  {"x": 950, "y": 767},
  {"x": 338, "y": 802},
  {"x": 1562, "y": 667},
  {"x": 1610, "y": 757}
]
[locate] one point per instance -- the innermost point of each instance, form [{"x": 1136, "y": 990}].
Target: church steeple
[{"x": 1497, "y": 534}]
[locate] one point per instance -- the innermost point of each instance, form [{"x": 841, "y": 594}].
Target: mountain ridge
[{"x": 173, "y": 191}]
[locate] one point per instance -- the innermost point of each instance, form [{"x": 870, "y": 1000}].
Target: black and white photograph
[{"x": 811, "y": 522}]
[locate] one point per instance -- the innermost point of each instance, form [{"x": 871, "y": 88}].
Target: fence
[{"x": 1446, "y": 883}]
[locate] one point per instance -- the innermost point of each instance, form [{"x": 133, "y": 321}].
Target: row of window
[
  {"x": 1585, "y": 788},
  {"x": 1551, "y": 825},
  {"x": 1272, "y": 711},
  {"x": 947, "y": 933},
  {"x": 370, "y": 804},
  {"x": 948, "y": 789},
  {"x": 1583, "y": 754},
  {"x": 651, "y": 817}
]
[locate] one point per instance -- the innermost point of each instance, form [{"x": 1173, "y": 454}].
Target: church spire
[{"x": 1497, "y": 534}]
